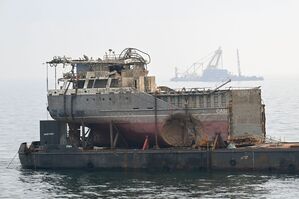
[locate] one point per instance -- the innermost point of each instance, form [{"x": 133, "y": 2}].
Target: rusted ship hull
[{"x": 233, "y": 113}]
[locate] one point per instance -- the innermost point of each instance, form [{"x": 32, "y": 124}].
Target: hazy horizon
[{"x": 174, "y": 33}]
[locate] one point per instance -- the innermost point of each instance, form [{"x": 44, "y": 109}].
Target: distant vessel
[{"x": 212, "y": 72}]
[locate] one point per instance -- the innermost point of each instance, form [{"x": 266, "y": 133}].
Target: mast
[
  {"x": 238, "y": 63},
  {"x": 176, "y": 72}
]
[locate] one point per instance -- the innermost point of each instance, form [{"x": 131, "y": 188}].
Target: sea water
[{"x": 23, "y": 104}]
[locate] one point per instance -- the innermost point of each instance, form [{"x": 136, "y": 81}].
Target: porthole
[{"x": 232, "y": 162}]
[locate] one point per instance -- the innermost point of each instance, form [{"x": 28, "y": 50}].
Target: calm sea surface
[{"x": 22, "y": 105}]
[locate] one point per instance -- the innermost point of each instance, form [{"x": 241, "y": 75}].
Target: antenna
[{"x": 238, "y": 64}]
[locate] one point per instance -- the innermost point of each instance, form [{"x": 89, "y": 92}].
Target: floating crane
[{"x": 212, "y": 72}]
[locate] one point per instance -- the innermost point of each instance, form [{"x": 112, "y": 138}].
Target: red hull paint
[
  {"x": 211, "y": 128},
  {"x": 136, "y": 132}
]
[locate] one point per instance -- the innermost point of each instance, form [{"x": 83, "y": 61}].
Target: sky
[{"x": 175, "y": 33}]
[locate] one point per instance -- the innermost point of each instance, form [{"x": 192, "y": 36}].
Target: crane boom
[{"x": 215, "y": 59}]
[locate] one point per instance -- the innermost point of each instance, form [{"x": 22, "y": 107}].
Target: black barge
[
  {"x": 54, "y": 152},
  {"x": 242, "y": 159}
]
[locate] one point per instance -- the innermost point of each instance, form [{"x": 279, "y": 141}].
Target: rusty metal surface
[
  {"x": 246, "y": 115},
  {"x": 266, "y": 159},
  {"x": 242, "y": 159},
  {"x": 235, "y": 114},
  {"x": 182, "y": 130}
]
